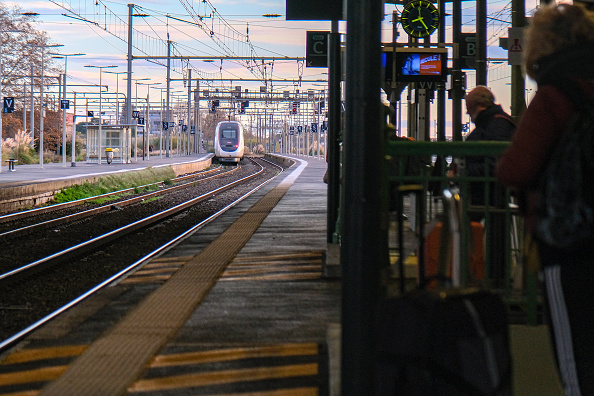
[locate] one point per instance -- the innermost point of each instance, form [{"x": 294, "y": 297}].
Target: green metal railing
[{"x": 416, "y": 163}]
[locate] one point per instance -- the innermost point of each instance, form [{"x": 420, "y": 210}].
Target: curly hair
[{"x": 556, "y": 27}]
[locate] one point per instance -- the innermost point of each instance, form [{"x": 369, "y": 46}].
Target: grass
[
  {"x": 116, "y": 182},
  {"x": 151, "y": 199}
]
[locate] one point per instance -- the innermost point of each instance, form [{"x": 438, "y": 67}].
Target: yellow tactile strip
[
  {"x": 279, "y": 267},
  {"x": 115, "y": 360},
  {"x": 228, "y": 376}
]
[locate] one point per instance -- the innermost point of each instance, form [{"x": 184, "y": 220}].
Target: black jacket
[{"x": 492, "y": 124}]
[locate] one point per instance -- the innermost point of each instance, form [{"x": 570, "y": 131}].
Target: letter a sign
[{"x": 8, "y": 104}]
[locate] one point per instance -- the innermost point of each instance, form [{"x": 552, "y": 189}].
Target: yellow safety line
[
  {"x": 224, "y": 377},
  {"x": 276, "y": 277},
  {"x": 117, "y": 358},
  {"x": 35, "y": 354},
  {"x": 276, "y": 268},
  {"x": 223, "y": 355},
  {"x": 277, "y": 392},
  {"x": 304, "y": 255},
  {"x": 37, "y": 375}
]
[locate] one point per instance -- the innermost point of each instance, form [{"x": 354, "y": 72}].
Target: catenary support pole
[{"x": 129, "y": 75}]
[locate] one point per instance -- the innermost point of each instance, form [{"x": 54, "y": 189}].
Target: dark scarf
[
  {"x": 572, "y": 62},
  {"x": 485, "y": 116}
]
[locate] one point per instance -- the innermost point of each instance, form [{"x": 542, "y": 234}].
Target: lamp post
[
  {"x": 73, "y": 163},
  {"x": 1, "y": 71},
  {"x": 161, "y": 106},
  {"x": 117, "y": 92},
  {"x": 147, "y": 120},
  {"x": 42, "y": 104},
  {"x": 135, "y": 106},
  {"x": 100, "y": 118}
]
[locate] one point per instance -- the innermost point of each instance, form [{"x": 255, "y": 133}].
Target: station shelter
[{"x": 117, "y": 138}]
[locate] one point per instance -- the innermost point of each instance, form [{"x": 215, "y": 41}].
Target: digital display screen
[
  {"x": 417, "y": 65},
  {"x": 421, "y": 65}
]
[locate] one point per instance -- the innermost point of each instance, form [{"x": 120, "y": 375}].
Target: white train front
[{"x": 229, "y": 144}]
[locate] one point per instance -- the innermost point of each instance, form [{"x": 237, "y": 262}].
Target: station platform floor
[
  {"x": 26, "y": 174},
  {"x": 209, "y": 317}
]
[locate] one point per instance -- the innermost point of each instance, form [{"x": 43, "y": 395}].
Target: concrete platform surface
[{"x": 269, "y": 324}]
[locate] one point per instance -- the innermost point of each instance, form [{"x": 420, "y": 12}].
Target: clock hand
[{"x": 420, "y": 19}]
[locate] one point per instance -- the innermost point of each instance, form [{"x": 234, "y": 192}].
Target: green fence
[{"x": 425, "y": 165}]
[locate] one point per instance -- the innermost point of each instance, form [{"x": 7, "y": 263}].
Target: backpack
[{"x": 565, "y": 209}]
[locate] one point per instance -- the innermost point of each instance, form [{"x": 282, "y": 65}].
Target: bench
[{"x": 11, "y": 163}]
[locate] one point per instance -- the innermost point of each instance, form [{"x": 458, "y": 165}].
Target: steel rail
[
  {"x": 64, "y": 205},
  {"x": 105, "y": 208},
  {"x": 119, "y": 232},
  {"x": 132, "y": 267}
]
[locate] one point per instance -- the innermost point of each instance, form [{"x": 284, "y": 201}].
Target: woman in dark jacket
[{"x": 559, "y": 47}]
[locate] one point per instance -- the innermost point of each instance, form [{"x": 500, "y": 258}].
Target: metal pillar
[
  {"x": 441, "y": 94},
  {"x": 363, "y": 245},
  {"x": 167, "y": 98},
  {"x": 333, "y": 154},
  {"x": 73, "y": 149},
  {"x": 32, "y": 110},
  {"x": 518, "y": 82},
  {"x": 481, "y": 42},
  {"x": 457, "y": 91},
  {"x": 129, "y": 74},
  {"x": 189, "y": 107}
]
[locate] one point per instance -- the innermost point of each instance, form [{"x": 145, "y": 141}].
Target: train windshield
[{"x": 229, "y": 133}]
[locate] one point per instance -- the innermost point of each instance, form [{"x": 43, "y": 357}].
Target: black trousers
[{"x": 569, "y": 287}]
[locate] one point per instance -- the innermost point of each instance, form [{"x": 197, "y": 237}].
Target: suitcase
[
  {"x": 476, "y": 255},
  {"x": 447, "y": 341}
]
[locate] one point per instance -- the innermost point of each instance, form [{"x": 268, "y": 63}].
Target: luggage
[
  {"x": 447, "y": 341},
  {"x": 476, "y": 256}
]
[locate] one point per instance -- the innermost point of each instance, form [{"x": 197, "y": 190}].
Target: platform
[
  {"x": 256, "y": 317},
  {"x": 32, "y": 185}
]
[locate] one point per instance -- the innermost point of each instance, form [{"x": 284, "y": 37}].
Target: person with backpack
[{"x": 559, "y": 56}]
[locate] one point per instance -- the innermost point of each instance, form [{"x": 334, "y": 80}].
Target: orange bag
[{"x": 476, "y": 256}]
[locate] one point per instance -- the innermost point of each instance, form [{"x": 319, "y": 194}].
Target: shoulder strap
[{"x": 505, "y": 117}]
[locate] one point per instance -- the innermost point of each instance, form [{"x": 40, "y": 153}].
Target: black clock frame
[{"x": 420, "y": 18}]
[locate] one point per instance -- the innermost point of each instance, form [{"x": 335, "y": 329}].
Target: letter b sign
[{"x": 468, "y": 50}]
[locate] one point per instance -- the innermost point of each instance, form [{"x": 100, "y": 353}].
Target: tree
[
  {"x": 21, "y": 57},
  {"x": 210, "y": 121}
]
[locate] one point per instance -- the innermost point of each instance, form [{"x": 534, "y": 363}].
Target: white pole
[
  {"x": 41, "y": 112},
  {"x": 100, "y": 117},
  {"x": 64, "y": 114}
]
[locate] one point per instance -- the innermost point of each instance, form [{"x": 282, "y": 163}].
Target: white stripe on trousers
[{"x": 561, "y": 330}]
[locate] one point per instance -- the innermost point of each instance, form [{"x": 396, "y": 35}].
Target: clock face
[{"x": 420, "y": 18}]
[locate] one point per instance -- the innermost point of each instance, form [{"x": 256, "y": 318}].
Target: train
[{"x": 228, "y": 142}]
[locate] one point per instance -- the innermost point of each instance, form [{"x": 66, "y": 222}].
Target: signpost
[
  {"x": 317, "y": 49},
  {"x": 8, "y": 104}
]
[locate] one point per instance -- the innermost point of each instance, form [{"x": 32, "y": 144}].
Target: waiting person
[
  {"x": 492, "y": 123},
  {"x": 559, "y": 50}
]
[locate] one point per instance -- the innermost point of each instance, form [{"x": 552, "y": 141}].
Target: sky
[{"x": 239, "y": 19}]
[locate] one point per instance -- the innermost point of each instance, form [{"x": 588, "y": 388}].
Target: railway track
[
  {"x": 104, "y": 245},
  {"x": 11, "y": 223}
]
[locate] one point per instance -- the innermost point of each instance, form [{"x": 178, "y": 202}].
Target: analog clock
[{"x": 420, "y": 18}]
